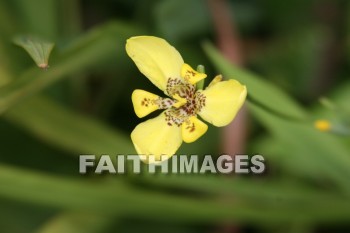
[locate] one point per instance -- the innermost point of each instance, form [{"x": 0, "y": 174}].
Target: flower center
[{"x": 179, "y": 113}]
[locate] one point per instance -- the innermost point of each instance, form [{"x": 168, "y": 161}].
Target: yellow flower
[
  {"x": 164, "y": 67},
  {"x": 322, "y": 125}
]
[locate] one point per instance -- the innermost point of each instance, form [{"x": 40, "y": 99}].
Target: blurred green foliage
[{"x": 297, "y": 51}]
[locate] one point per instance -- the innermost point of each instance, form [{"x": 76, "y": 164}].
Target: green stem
[{"x": 200, "y": 84}]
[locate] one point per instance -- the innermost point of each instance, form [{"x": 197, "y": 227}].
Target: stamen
[
  {"x": 186, "y": 102},
  {"x": 200, "y": 100},
  {"x": 218, "y": 78},
  {"x": 164, "y": 103},
  {"x": 180, "y": 101}
]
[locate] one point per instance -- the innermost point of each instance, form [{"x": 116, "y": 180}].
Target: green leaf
[
  {"x": 68, "y": 130},
  {"x": 38, "y": 49},
  {"x": 116, "y": 197},
  {"x": 259, "y": 90},
  {"x": 309, "y": 152},
  {"x": 254, "y": 191},
  {"x": 76, "y": 222}
]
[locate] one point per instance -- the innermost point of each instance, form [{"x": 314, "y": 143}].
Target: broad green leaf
[
  {"x": 68, "y": 130},
  {"x": 259, "y": 90},
  {"x": 110, "y": 198},
  {"x": 254, "y": 191},
  {"x": 38, "y": 49},
  {"x": 117, "y": 197},
  {"x": 77, "y": 222}
]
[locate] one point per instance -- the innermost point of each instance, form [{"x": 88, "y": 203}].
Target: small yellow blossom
[
  {"x": 162, "y": 64},
  {"x": 322, "y": 125}
]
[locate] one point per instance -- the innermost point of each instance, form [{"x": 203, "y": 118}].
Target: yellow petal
[
  {"x": 144, "y": 102},
  {"x": 155, "y": 137},
  {"x": 155, "y": 58},
  {"x": 222, "y": 102},
  {"x": 192, "y": 129},
  {"x": 191, "y": 75}
]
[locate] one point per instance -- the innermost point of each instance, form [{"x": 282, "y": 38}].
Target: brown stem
[{"x": 234, "y": 135}]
